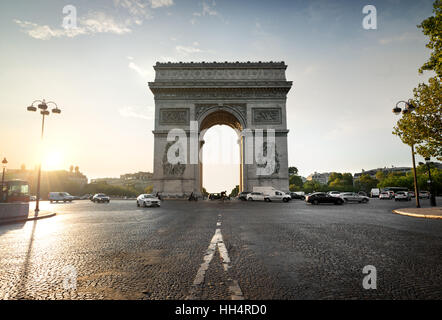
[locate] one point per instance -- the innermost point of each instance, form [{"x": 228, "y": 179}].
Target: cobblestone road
[{"x": 275, "y": 251}]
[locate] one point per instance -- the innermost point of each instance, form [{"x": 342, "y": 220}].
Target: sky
[{"x": 346, "y": 79}]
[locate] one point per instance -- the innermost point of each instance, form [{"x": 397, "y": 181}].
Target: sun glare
[{"x": 52, "y": 160}]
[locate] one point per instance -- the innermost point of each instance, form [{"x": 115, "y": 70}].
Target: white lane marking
[{"x": 216, "y": 242}]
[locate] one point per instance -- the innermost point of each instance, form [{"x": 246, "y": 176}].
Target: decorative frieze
[
  {"x": 173, "y": 116},
  {"x": 235, "y": 107},
  {"x": 220, "y": 93},
  {"x": 266, "y": 116}
]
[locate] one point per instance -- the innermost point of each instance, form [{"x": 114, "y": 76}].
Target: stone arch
[{"x": 247, "y": 96}]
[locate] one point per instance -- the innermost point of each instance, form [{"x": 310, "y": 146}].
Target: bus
[
  {"x": 15, "y": 191},
  {"x": 395, "y": 189}
]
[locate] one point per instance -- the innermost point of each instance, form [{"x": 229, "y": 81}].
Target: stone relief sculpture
[
  {"x": 266, "y": 116},
  {"x": 172, "y": 169},
  {"x": 175, "y": 116},
  {"x": 264, "y": 154}
]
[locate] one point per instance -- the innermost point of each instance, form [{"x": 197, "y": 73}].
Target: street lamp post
[
  {"x": 4, "y": 163},
  {"x": 409, "y": 107},
  {"x": 432, "y": 192},
  {"x": 43, "y": 106}
]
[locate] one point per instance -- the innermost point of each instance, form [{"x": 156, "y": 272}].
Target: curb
[
  {"x": 417, "y": 215},
  {"x": 11, "y": 221}
]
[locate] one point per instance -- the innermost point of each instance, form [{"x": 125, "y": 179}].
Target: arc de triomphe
[{"x": 243, "y": 95}]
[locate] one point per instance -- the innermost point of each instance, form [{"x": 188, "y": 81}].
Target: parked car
[
  {"x": 86, "y": 196},
  {"x": 375, "y": 192},
  {"x": 32, "y": 198},
  {"x": 424, "y": 195},
  {"x": 321, "y": 197},
  {"x": 255, "y": 196},
  {"x": 402, "y": 196},
  {"x": 276, "y": 195},
  {"x": 334, "y": 193},
  {"x": 60, "y": 196},
  {"x": 100, "y": 197},
  {"x": 243, "y": 195},
  {"x": 297, "y": 195},
  {"x": 352, "y": 196},
  {"x": 363, "y": 193},
  {"x": 214, "y": 196},
  {"x": 411, "y": 194},
  {"x": 148, "y": 200},
  {"x": 384, "y": 195}
]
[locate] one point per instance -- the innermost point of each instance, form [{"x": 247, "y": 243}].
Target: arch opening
[{"x": 220, "y": 161}]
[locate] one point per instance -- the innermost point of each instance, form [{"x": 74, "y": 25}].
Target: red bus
[{"x": 15, "y": 191}]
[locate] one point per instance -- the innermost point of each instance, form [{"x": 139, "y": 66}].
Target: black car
[
  {"x": 295, "y": 195},
  {"x": 321, "y": 197},
  {"x": 243, "y": 195}
]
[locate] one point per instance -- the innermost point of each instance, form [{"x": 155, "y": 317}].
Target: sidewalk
[
  {"x": 430, "y": 213},
  {"x": 41, "y": 215}
]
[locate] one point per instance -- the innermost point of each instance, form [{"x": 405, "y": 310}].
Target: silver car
[
  {"x": 148, "y": 200},
  {"x": 353, "y": 196}
]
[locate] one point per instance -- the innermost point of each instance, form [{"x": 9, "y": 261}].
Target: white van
[
  {"x": 265, "y": 190},
  {"x": 60, "y": 196},
  {"x": 374, "y": 193},
  {"x": 271, "y": 194}
]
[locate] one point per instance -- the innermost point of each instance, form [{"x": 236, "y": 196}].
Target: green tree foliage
[
  {"x": 234, "y": 192},
  {"x": 432, "y": 27},
  {"x": 296, "y": 180},
  {"x": 380, "y": 175},
  {"x": 365, "y": 183},
  {"x": 424, "y": 126},
  {"x": 293, "y": 170},
  {"x": 312, "y": 186},
  {"x": 111, "y": 190},
  {"x": 205, "y": 193},
  {"x": 148, "y": 189},
  {"x": 340, "y": 181}
]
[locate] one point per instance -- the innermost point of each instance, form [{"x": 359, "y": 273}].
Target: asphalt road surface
[{"x": 216, "y": 250}]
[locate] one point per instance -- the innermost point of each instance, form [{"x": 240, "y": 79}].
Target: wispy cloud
[
  {"x": 161, "y": 3},
  {"x": 94, "y": 22},
  {"x": 406, "y": 36},
  {"x": 98, "y": 22},
  {"x": 146, "y": 113},
  {"x": 207, "y": 9},
  {"x": 185, "y": 50}
]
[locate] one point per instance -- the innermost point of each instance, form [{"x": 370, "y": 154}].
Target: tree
[
  {"x": 23, "y": 167},
  {"x": 311, "y": 186},
  {"x": 380, "y": 175},
  {"x": 295, "y": 180},
  {"x": 293, "y": 170},
  {"x": 366, "y": 183},
  {"x": 77, "y": 169},
  {"x": 148, "y": 189},
  {"x": 423, "y": 127},
  {"x": 234, "y": 192},
  {"x": 71, "y": 168},
  {"x": 432, "y": 27}
]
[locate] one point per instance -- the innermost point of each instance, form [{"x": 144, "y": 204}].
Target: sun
[{"x": 52, "y": 160}]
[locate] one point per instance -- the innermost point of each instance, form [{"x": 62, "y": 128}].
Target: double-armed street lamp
[
  {"x": 409, "y": 107},
  {"x": 4, "y": 163},
  {"x": 43, "y": 106}
]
